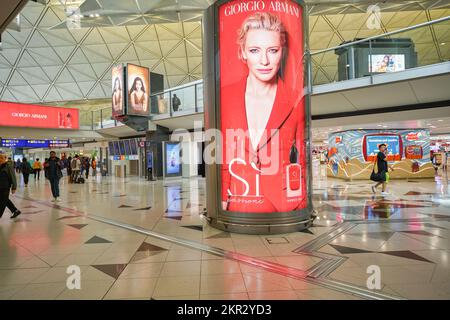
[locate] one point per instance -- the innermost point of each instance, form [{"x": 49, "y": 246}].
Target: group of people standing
[
  {"x": 53, "y": 168},
  {"x": 79, "y": 166}
]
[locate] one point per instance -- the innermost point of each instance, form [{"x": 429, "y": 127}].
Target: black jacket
[
  {"x": 58, "y": 168},
  {"x": 7, "y": 177}
]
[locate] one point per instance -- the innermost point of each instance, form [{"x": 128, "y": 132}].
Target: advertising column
[{"x": 255, "y": 95}]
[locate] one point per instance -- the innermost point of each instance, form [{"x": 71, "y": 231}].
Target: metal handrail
[{"x": 420, "y": 25}]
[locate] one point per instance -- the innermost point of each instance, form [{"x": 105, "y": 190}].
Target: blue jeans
[{"x": 54, "y": 183}]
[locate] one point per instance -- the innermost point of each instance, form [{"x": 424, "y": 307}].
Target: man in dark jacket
[
  {"x": 53, "y": 173},
  {"x": 7, "y": 182},
  {"x": 10, "y": 205}
]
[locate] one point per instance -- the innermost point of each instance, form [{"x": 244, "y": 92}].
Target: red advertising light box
[{"x": 34, "y": 116}]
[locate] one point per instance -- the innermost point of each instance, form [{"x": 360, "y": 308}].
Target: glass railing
[
  {"x": 179, "y": 100},
  {"x": 416, "y": 46}
]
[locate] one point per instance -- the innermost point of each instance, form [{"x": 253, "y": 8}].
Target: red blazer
[{"x": 284, "y": 129}]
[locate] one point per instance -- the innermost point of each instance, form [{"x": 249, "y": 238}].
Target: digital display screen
[
  {"x": 260, "y": 45},
  {"x": 386, "y": 63},
  {"x": 138, "y": 90},
  {"x": 393, "y": 147},
  {"x": 116, "y": 148},
  {"x": 121, "y": 148},
  {"x": 117, "y": 75},
  {"x": 133, "y": 143},
  {"x": 127, "y": 147},
  {"x": 149, "y": 160},
  {"x": 33, "y": 143},
  {"x": 28, "y": 115},
  {"x": 173, "y": 163},
  {"x": 413, "y": 152},
  {"x": 111, "y": 148}
]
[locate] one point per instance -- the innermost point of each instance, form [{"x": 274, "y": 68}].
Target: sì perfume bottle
[{"x": 293, "y": 174}]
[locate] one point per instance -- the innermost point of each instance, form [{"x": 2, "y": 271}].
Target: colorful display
[
  {"x": 133, "y": 143},
  {"x": 386, "y": 62},
  {"x": 111, "y": 149},
  {"x": 138, "y": 90},
  {"x": 116, "y": 148},
  {"x": 262, "y": 106},
  {"x": 407, "y": 151},
  {"x": 393, "y": 143},
  {"x": 117, "y": 77},
  {"x": 34, "y": 116},
  {"x": 173, "y": 160},
  {"x": 413, "y": 152}
]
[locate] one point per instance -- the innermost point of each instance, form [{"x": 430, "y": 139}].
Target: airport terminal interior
[{"x": 129, "y": 95}]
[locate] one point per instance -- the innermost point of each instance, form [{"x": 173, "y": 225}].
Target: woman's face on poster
[
  {"x": 138, "y": 85},
  {"x": 116, "y": 84},
  {"x": 263, "y": 53}
]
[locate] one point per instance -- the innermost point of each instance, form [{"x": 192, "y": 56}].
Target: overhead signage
[
  {"x": 34, "y": 116},
  {"x": 34, "y": 143}
]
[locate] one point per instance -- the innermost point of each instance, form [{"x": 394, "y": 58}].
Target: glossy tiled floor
[{"x": 175, "y": 255}]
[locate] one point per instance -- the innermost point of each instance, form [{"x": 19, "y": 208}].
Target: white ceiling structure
[{"x": 65, "y": 48}]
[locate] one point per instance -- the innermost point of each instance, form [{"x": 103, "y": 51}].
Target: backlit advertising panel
[
  {"x": 172, "y": 159},
  {"x": 386, "y": 63},
  {"x": 392, "y": 141},
  {"x": 116, "y": 148},
  {"x": 117, "y": 78},
  {"x": 138, "y": 90},
  {"x": 111, "y": 148},
  {"x": 34, "y": 116},
  {"x": 262, "y": 106},
  {"x": 133, "y": 146}
]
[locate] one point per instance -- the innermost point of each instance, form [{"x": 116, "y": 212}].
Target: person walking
[
  {"x": 383, "y": 168},
  {"x": 76, "y": 167},
  {"x": 53, "y": 167},
  {"x": 10, "y": 205},
  {"x": 7, "y": 183},
  {"x": 94, "y": 166},
  {"x": 18, "y": 165},
  {"x": 176, "y": 102},
  {"x": 87, "y": 166},
  {"x": 69, "y": 168},
  {"x": 37, "y": 167},
  {"x": 26, "y": 170}
]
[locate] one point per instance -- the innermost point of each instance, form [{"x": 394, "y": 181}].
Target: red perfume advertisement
[
  {"x": 262, "y": 106},
  {"x": 34, "y": 116}
]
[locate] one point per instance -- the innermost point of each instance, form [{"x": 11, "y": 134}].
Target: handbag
[{"x": 377, "y": 176}]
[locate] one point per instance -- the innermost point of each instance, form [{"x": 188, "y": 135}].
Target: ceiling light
[
  {"x": 91, "y": 15},
  {"x": 96, "y": 15},
  {"x": 440, "y": 120},
  {"x": 385, "y": 126},
  {"x": 434, "y": 127},
  {"x": 443, "y": 43},
  {"x": 380, "y": 125}
]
